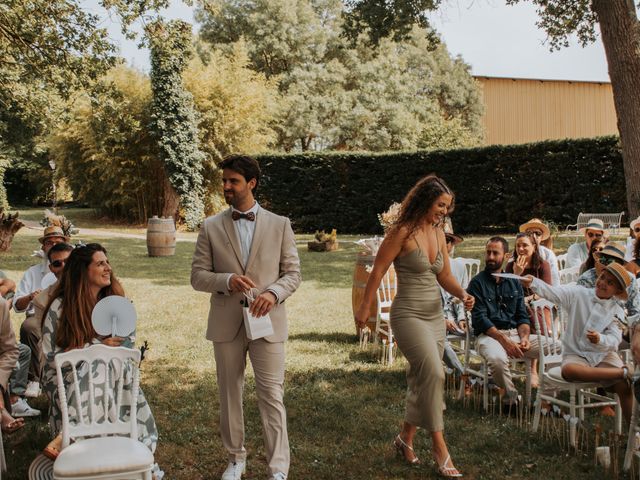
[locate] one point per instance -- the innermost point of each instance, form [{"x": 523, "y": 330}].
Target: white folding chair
[
  {"x": 384, "y": 294},
  {"x": 472, "y": 266},
  {"x": 569, "y": 275},
  {"x": 551, "y": 381},
  {"x": 562, "y": 261},
  {"x": 633, "y": 438},
  {"x": 113, "y": 451}
]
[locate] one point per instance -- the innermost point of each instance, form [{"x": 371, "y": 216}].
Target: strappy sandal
[
  {"x": 448, "y": 472},
  {"x": 400, "y": 446},
  {"x": 12, "y": 425}
]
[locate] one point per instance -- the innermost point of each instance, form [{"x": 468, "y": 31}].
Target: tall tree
[
  {"x": 174, "y": 119},
  {"x": 620, "y": 31}
]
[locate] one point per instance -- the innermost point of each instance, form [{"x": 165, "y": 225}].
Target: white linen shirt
[
  {"x": 585, "y": 312},
  {"x": 548, "y": 255},
  {"x": 577, "y": 255},
  {"x": 628, "y": 253},
  {"x": 30, "y": 282}
]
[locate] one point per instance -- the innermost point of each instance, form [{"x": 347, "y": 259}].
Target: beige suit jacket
[
  {"x": 8, "y": 345},
  {"x": 273, "y": 264}
]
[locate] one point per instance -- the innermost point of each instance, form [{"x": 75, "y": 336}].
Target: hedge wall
[{"x": 497, "y": 187}]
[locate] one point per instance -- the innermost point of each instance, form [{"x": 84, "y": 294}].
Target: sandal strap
[{"x": 403, "y": 443}]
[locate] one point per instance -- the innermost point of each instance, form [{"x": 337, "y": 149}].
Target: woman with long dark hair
[
  {"x": 86, "y": 279},
  {"x": 416, "y": 245},
  {"x": 590, "y": 262}
]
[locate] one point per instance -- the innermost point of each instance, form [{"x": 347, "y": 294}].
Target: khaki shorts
[{"x": 611, "y": 360}]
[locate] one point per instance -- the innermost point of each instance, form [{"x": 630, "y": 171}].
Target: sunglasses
[
  {"x": 536, "y": 233},
  {"x": 604, "y": 260},
  {"x": 58, "y": 263}
]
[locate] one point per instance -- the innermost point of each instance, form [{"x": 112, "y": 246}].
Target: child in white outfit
[{"x": 593, "y": 332}]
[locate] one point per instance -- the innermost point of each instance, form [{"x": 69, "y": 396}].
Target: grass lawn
[{"x": 344, "y": 408}]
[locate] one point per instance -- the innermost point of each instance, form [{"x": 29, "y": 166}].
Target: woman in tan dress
[{"x": 416, "y": 245}]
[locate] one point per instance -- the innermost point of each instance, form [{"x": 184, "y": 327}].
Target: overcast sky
[{"x": 495, "y": 39}]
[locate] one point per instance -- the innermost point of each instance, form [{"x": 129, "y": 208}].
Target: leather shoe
[{"x": 234, "y": 470}]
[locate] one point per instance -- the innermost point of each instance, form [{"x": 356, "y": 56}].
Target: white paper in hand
[
  {"x": 512, "y": 276},
  {"x": 256, "y": 327}
]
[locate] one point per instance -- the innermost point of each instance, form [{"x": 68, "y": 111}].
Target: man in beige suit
[{"x": 241, "y": 250}]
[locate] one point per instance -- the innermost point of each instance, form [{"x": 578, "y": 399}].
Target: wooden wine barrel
[
  {"x": 364, "y": 262},
  {"x": 161, "y": 237}
]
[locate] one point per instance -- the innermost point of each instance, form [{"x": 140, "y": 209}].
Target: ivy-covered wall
[{"x": 497, "y": 188}]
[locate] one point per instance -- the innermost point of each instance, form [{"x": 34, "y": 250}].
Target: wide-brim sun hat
[
  {"x": 593, "y": 224},
  {"x": 536, "y": 223},
  {"x": 622, "y": 277},
  {"x": 613, "y": 250},
  {"x": 52, "y": 232}
]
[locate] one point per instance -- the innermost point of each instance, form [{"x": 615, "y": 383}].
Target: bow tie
[{"x": 248, "y": 216}]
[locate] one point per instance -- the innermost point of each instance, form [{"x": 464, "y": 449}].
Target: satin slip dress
[{"x": 418, "y": 325}]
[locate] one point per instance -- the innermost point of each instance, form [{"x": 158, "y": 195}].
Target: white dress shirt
[
  {"x": 577, "y": 255},
  {"x": 31, "y": 281},
  {"x": 585, "y": 312},
  {"x": 628, "y": 254},
  {"x": 244, "y": 229}
]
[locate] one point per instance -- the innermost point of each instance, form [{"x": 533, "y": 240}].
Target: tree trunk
[
  {"x": 171, "y": 201},
  {"x": 621, "y": 38},
  {"x": 9, "y": 226}
]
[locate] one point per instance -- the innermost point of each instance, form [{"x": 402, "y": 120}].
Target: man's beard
[{"x": 492, "y": 266}]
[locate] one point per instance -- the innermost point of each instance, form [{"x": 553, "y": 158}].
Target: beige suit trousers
[
  {"x": 498, "y": 360},
  {"x": 267, "y": 359}
]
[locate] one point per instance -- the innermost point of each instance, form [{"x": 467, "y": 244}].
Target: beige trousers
[
  {"x": 267, "y": 360},
  {"x": 498, "y": 360}
]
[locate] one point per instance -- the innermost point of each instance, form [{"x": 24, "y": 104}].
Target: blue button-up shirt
[{"x": 498, "y": 304}]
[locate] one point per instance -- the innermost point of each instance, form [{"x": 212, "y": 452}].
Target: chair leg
[
  {"x": 485, "y": 388},
  {"x": 631, "y": 439},
  {"x": 618, "y": 416},
  {"x": 572, "y": 412},
  {"x": 538, "y": 409},
  {"x": 581, "y": 405},
  {"x": 527, "y": 368}
]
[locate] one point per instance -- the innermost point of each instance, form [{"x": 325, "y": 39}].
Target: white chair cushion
[
  {"x": 102, "y": 455},
  {"x": 556, "y": 374}
]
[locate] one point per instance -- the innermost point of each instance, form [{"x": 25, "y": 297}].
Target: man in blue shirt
[{"x": 499, "y": 318}]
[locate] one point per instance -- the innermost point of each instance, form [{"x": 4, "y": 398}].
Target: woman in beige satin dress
[{"x": 416, "y": 245}]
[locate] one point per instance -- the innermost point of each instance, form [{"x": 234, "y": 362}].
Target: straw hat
[
  {"x": 536, "y": 223},
  {"x": 622, "y": 276},
  {"x": 593, "y": 224},
  {"x": 53, "y": 231},
  {"x": 449, "y": 235},
  {"x": 634, "y": 223},
  {"x": 612, "y": 249}
]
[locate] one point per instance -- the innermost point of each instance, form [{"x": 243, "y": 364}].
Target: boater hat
[
  {"x": 593, "y": 224},
  {"x": 53, "y": 231},
  {"x": 536, "y": 223},
  {"x": 621, "y": 275},
  {"x": 613, "y": 250}
]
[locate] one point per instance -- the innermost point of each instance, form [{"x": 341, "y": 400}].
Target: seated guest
[
  {"x": 57, "y": 256},
  {"x": 542, "y": 236},
  {"x": 7, "y": 287},
  {"x": 87, "y": 278},
  {"x": 612, "y": 252},
  {"x": 28, "y": 288},
  {"x": 455, "y": 317},
  {"x": 634, "y": 234},
  {"x": 8, "y": 358},
  {"x": 590, "y": 262},
  {"x": 578, "y": 252},
  {"x": 593, "y": 331},
  {"x": 500, "y": 319}
]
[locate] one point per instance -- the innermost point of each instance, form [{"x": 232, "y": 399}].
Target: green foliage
[
  {"x": 174, "y": 118},
  {"x": 382, "y": 18},
  {"x": 345, "y": 94},
  {"x": 105, "y": 152},
  {"x": 497, "y": 187}
]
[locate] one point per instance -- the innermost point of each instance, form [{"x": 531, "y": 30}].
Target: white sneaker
[
  {"x": 234, "y": 470},
  {"x": 33, "y": 390},
  {"x": 22, "y": 409},
  {"x": 278, "y": 476}
]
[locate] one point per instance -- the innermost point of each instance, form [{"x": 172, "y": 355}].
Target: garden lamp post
[{"x": 52, "y": 164}]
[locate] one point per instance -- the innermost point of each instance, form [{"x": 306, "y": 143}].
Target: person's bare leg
[
  {"x": 625, "y": 396},
  {"x": 574, "y": 372},
  {"x": 407, "y": 435},
  {"x": 441, "y": 452}
]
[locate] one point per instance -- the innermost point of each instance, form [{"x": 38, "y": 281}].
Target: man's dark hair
[
  {"x": 244, "y": 165},
  {"x": 59, "y": 247},
  {"x": 501, "y": 240}
]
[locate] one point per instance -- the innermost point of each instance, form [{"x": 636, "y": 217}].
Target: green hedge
[{"x": 497, "y": 187}]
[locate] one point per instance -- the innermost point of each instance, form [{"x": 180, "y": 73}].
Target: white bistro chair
[
  {"x": 551, "y": 381},
  {"x": 113, "y": 451},
  {"x": 569, "y": 276},
  {"x": 384, "y": 294},
  {"x": 562, "y": 261},
  {"x": 472, "y": 266}
]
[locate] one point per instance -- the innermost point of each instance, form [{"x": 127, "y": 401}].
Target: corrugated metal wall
[{"x": 522, "y": 111}]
